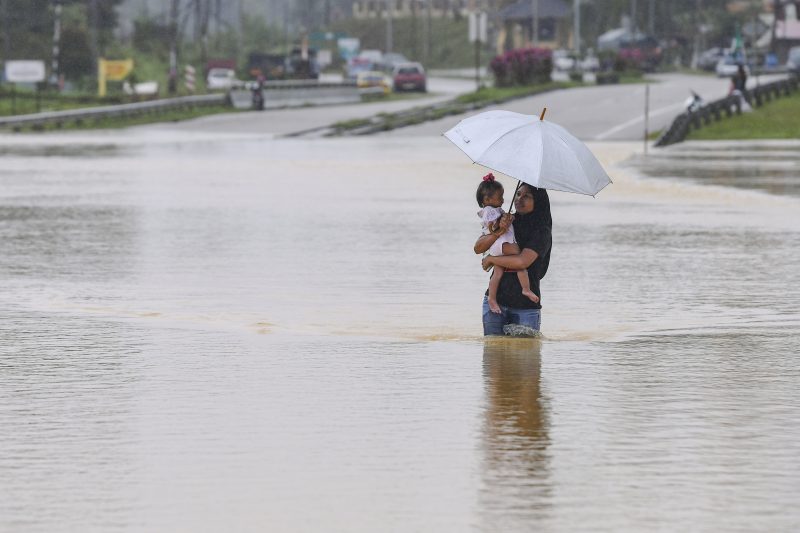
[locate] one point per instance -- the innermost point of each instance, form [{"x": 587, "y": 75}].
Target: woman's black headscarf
[
  {"x": 539, "y": 223},
  {"x": 540, "y": 217},
  {"x": 541, "y": 208}
]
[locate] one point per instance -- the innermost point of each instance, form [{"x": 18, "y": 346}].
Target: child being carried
[{"x": 490, "y": 199}]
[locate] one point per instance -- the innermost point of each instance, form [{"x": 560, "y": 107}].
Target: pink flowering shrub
[{"x": 522, "y": 66}]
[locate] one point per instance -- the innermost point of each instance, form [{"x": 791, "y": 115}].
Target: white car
[
  {"x": 220, "y": 79},
  {"x": 728, "y": 66},
  {"x": 590, "y": 64},
  {"x": 562, "y": 60}
]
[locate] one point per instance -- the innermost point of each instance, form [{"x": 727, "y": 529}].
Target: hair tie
[{"x": 488, "y": 177}]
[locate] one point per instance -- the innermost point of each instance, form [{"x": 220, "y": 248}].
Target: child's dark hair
[{"x": 487, "y": 187}]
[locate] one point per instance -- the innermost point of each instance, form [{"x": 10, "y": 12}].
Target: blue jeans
[{"x": 493, "y": 322}]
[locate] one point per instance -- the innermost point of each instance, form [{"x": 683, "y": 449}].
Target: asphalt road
[
  {"x": 285, "y": 121},
  {"x": 598, "y": 112},
  {"x": 605, "y": 112}
]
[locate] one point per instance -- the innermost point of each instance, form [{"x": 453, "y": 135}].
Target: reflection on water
[
  {"x": 515, "y": 474},
  {"x": 772, "y": 167}
]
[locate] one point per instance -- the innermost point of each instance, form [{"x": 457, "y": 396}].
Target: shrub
[{"x": 522, "y": 66}]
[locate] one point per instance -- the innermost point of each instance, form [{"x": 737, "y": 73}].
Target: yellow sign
[{"x": 116, "y": 70}]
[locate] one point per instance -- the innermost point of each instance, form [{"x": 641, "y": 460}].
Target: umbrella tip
[{"x": 541, "y": 117}]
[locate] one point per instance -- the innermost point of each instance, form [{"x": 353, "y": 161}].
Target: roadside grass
[
  {"x": 501, "y": 94},
  {"x": 777, "y": 119},
  {"x": 24, "y": 102},
  {"x": 137, "y": 120}
]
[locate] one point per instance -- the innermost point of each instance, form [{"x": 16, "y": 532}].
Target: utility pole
[
  {"x": 577, "y": 17},
  {"x": 56, "y": 43},
  {"x": 633, "y": 17},
  {"x": 535, "y": 22},
  {"x": 389, "y": 6},
  {"x": 6, "y": 32},
  {"x": 428, "y": 31},
  {"x": 93, "y": 16},
  {"x": 414, "y": 50},
  {"x": 652, "y": 18}
]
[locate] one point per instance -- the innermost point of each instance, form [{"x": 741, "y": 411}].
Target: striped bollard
[{"x": 188, "y": 78}]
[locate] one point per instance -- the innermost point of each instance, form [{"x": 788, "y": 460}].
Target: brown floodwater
[{"x": 213, "y": 333}]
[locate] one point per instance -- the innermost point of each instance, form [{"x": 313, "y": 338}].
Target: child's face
[{"x": 494, "y": 199}]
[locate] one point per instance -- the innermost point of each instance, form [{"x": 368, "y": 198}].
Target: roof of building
[{"x": 523, "y": 10}]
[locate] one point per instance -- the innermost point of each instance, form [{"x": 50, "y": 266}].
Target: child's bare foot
[
  {"x": 494, "y": 308},
  {"x": 529, "y": 294}
]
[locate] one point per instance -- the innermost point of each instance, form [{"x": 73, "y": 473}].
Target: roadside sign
[
  {"x": 111, "y": 70},
  {"x": 477, "y": 27},
  {"x": 25, "y": 71},
  {"x": 348, "y": 47}
]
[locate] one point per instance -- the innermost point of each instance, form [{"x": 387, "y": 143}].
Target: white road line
[{"x": 668, "y": 109}]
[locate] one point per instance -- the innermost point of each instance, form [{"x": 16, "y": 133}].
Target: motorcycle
[{"x": 694, "y": 102}]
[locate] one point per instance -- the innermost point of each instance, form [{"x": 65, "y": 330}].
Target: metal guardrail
[
  {"x": 295, "y": 93},
  {"x": 689, "y": 120},
  {"x": 121, "y": 110}
]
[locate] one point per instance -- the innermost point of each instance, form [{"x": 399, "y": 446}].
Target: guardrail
[
  {"x": 689, "y": 120},
  {"x": 38, "y": 120},
  {"x": 294, "y": 93}
]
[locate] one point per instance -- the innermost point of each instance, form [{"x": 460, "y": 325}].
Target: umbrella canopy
[{"x": 530, "y": 149}]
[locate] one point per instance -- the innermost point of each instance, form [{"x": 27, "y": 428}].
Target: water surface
[{"x": 241, "y": 333}]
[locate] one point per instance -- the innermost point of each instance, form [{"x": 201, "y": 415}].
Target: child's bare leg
[
  {"x": 494, "y": 283},
  {"x": 525, "y": 282},
  {"x": 510, "y": 248}
]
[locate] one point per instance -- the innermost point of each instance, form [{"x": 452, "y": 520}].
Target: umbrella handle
[{"x": 514, "y": 196}]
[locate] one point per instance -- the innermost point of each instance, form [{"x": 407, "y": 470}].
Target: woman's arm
[
  {"x": 485, "y": 242},
  {"x": 511, "y": 262}
]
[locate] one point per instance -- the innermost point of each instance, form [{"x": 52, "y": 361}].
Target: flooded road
[{"x": 205, "y": 332}]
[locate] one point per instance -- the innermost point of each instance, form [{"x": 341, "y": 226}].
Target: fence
[{"x": 689, "y": 120}]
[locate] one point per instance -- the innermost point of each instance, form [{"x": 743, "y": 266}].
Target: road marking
[{"x": 656, "y": 112}]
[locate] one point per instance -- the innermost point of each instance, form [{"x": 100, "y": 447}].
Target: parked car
[
  {"x": 590, "y": 63},
  {"x": 390, "y": 60},
  {"x": 728, "y": 66},
  {"x": 793, "y": 62},
  {"x": 409, "y": 77},
  {"x": 356, "y": 65},
  {"x": 562, "y": 60},
  {"x": 708, "y": 59},
  {"x": 374, "y": 78},
  {"x": 220, "y": 79}
]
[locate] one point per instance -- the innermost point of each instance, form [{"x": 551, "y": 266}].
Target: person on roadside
[
  {"x": 533, "y": 226},
  {"x": 739, "y": 85}
]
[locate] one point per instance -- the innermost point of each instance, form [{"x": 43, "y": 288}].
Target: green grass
[
  {"x": 124, "y": 122},
  {"x": 492, "y": 94},
  {"x": 24, "y": 102},
  {"x": 777, "y": 119}
]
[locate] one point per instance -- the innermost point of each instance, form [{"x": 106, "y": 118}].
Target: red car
[{"x": 409, "y": 77}]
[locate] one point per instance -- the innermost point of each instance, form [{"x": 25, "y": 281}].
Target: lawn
[{"x": 777, "y": 119}]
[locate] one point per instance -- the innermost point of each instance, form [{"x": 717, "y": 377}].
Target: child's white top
[{"x": 488, "y": 215}]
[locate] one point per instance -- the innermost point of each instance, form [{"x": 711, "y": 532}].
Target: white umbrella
[{"x": 530, "y": 149}]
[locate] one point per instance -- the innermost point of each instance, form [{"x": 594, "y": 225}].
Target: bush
[
  {"x": 522, "y": 66},
  {"x": 605, "y": 78}
]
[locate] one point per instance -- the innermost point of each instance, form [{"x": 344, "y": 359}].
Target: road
[
  {"x": 597, "y": 112},
  {"x": 285, "y": 121},
  {"x": 606, "y": 112}
]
